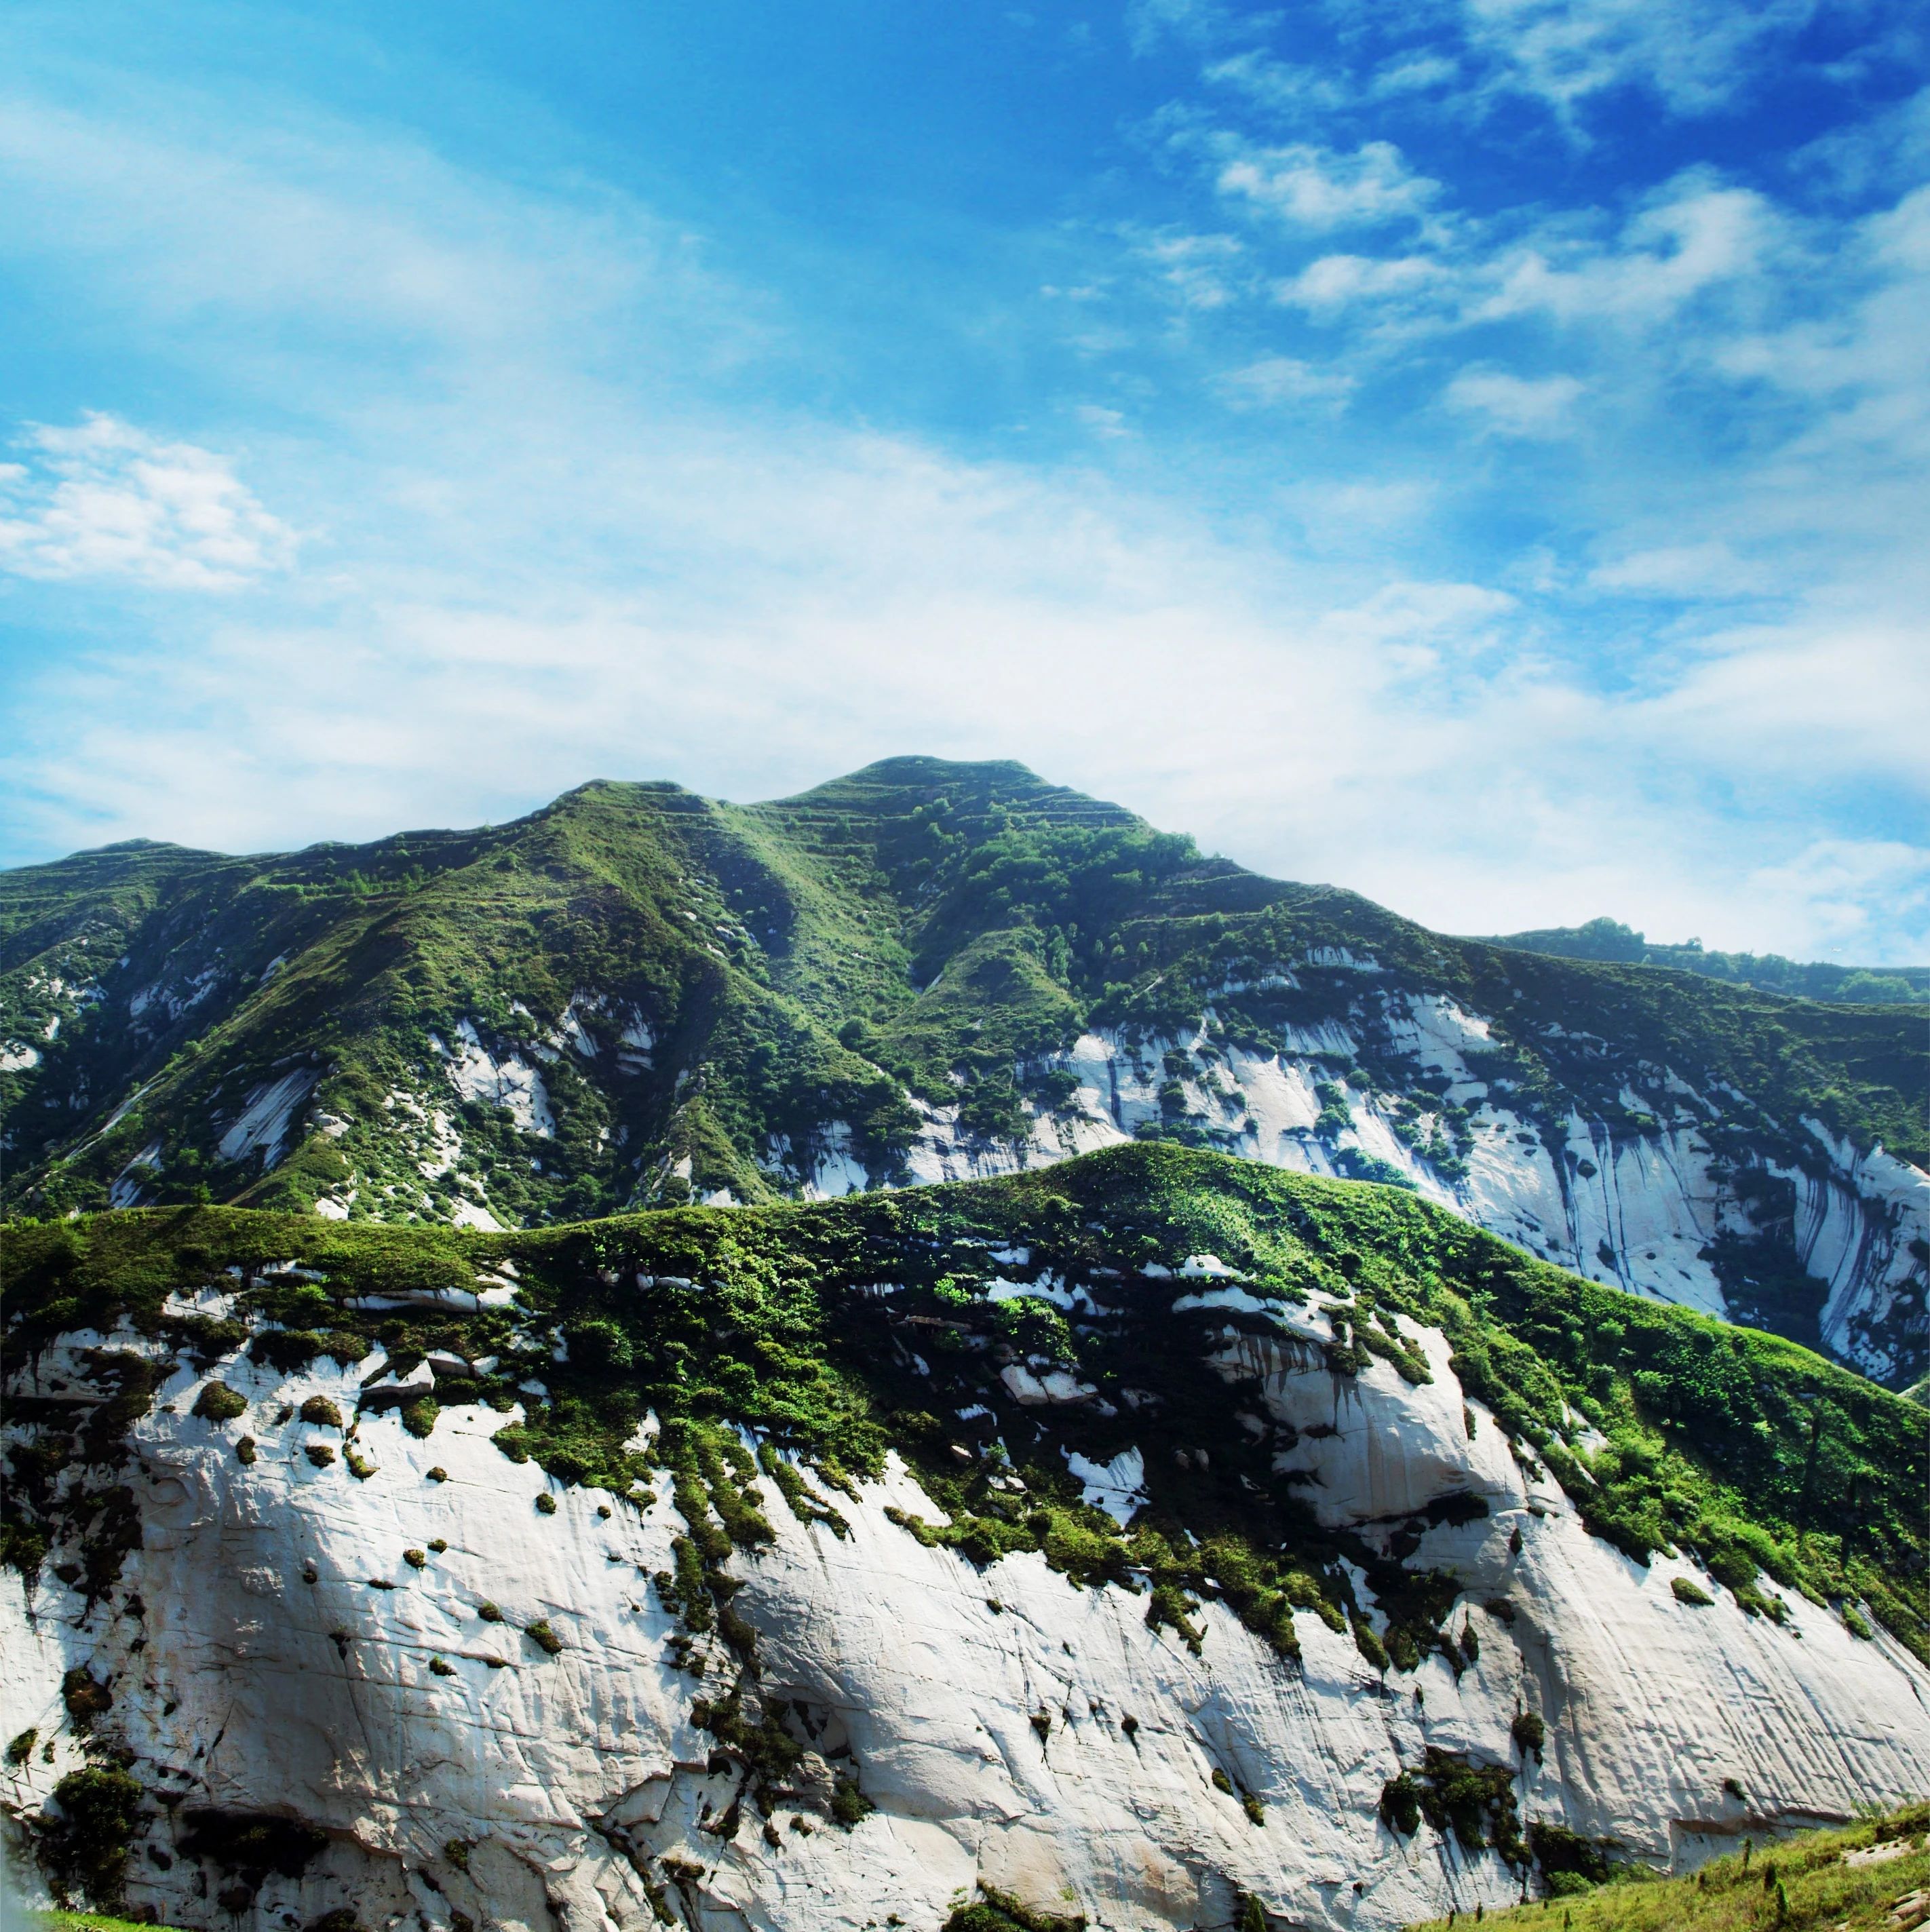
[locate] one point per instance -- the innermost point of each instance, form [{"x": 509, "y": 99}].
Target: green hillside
[
  {"x": 1861, "y": 1878},
  {"x": 919, "y": 928},
  {"x": 1778, "y": 1472},
  {"x": 1809, "y": 979}
]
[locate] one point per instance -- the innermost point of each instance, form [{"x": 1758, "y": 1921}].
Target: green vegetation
[
  {"x": 1608, "y": 939},
  {"x": 1774, "y": 1471},
  {"x": 1805, "y": 1883},
  {"x": 92, "y": 1921},
  {"x": 996, "y": 1911},
  {"x": 85, "y": 1833},
  {"x": 706, "y": 990}
]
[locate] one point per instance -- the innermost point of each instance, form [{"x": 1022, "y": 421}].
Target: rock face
[
  {"x": 477, "y": 1708},
  {"x": 1625, "y": 1196}
]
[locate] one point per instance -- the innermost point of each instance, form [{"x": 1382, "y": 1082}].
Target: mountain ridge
[{"x": 633, "y": 994}]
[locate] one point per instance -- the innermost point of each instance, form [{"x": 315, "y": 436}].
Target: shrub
[
  {"x": 1370, "y": 1645},
  {"x": 1529, "y": 1732},
  {"x": 85, "y": 1697},
  {"x": 416, "y": 1559},
  {"x": 1688, "y": 1591},
  {"x": 440, "y": 1667},
  {"x": 321, "y": 1412},
  {"x": 244, "y": 1450},
  {"x": 437, "y": 1474},
  {"x": 1255, "y": 1811},
  {"x": 543, "y": 1637},
  {"x": 218, "y": 1402},
  {"x": 419, "y": 1417},
  {"x": 1854, "y": 1622},
  {"x": 21, "y": 1748},
  {"x": 849, "y": 1805},
  {"x": 488, "y": 1612},
  {"x": 1570, "y": 1862},
  {"x": 546, "y": 1504},
  {"x": 86, "y": 1840}
]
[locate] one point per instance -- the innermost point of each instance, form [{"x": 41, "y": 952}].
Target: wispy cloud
[
  {"x": 1512, "y": 405},
  {"x": 101, "y": 499},
  {"x": 1318, "y": 189}
]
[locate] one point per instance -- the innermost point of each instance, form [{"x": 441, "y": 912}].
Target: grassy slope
[
  {"x": 1801, "y": 1883},
  {"x": 1777, "y": 1470}
]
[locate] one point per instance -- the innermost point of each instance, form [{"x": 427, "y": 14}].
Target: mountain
[
  {"x": 1155, "y": 1540},
  {"x": 637, "y": 997},
  {"x": 1609, "y": 939}
]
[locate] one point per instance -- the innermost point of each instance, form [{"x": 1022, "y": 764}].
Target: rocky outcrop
[
  {"x": 1662, "y": 1204},
  {"x": 437, "y": 1702}
]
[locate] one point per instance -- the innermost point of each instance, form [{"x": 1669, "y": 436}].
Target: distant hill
[{"x": 1608, "y": 939}]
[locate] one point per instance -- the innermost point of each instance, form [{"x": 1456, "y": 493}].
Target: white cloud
[
  {"x": 104, "y": 500},
  {"x": 1336, "y": 282},
  {"x": 1516, "y": 405},
  {"x": 1695, "y": 55},
  {"x": 1317, "y": 189},
  {"x": 1690, "y": 237},
  {"x": 1201, "y": 271},
  {"x": 1273, "y": 380}
]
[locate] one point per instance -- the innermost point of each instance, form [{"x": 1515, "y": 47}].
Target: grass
[
  {"x": 1802, "y": 1884},
  {"x": 92, "y": 1921}
]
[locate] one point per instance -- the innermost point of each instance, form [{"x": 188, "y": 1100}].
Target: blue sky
[{"x": 1474, "y": 451}]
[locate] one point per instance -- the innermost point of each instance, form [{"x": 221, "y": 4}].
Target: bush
[
  {"x": 543, "y": 1637},
  {"x": 546, "y": 1504},
  {"x": 1529, "y": 1732},
  {"x": 849, "y": 1805},
  {"x": 318, "y": 1411},
  {"x": 419, "y": 1417},
  {"x": 1688, "y": 1591},
  {"x": 86, "y": 1840},
  {"x": 218, "y": 1402}
]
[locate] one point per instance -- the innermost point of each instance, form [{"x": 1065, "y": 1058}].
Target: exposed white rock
[
  {"x": 131, "y": 1182},
  {"x": 1118, "y": 1487},
  {"x": 573, "y": 1778},
  {"x": 263, "y": 1123},
  {"x": 508, "y": 1082}
]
